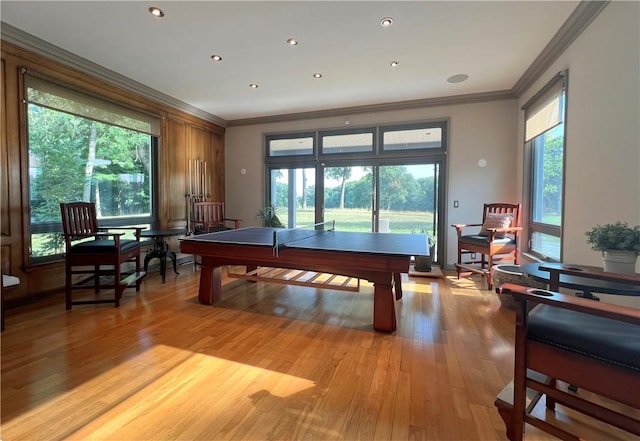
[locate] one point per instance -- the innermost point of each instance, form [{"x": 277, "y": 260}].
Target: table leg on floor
[
  {"x": 397, "y": 285},
  {"x": 163, "y": 266},
  {"x": 384, "y": 310},
  {"x": 172, "y": 256},
  {"x": 210, "y": 284}
]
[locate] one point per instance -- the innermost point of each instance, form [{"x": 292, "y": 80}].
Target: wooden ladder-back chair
[
  {"x": 87, "y": 245},
  {"x": 208, "y": 217},
  {"x": 591, "y": 346},
  {"x": 498, "y": 240}
]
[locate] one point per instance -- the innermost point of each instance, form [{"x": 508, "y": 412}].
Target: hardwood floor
[{"x": 268, "y": 362}]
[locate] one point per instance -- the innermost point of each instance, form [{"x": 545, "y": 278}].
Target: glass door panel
[
  {"x": 348, "y": 197},
  {"x": 408, "y": 199},
  {"x": 293, "y": 193}
]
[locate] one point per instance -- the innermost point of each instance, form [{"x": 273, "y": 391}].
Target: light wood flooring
[{"x": 269, "y": 362}]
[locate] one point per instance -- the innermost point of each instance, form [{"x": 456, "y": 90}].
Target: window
[
  {"x": 292, "y": 145},
  {"x": 82, "y": 148},
  {"x": 348, "y": 141},
  {"x": 544, "y": 147},
  {"x": 413, "y": 137},
  {"x": 387, "y": 179}
]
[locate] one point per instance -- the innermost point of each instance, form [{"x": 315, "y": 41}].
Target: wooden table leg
[
  {"x": 210, "y": 284},
  {"x": 384, "y": 310},
  {"x": 397, "y": 285}
]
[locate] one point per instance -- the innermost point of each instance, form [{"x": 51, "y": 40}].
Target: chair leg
[
  {"x": 519, "y": 375},
  {"x": 139, "y": 281},
  {"x": 550, "y": 402},
  {"x": 118, "y": 287},
  {"x": 488, "y": 273},
  {"x": 67, "y": 287},
  {"x": 96, "y": 281}
]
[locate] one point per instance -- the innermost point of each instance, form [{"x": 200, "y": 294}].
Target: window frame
[
  {"x": 532, "y": 226},
  {"x": 375, "y": 158},
  {"x": 442, "y": 125},
  {"x": 345, "y": 155},
  {"x": 291, "y": 158},
  {"x": 149, "y": 220}
]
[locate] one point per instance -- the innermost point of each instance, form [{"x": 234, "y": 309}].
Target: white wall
[
  {"x": 602, "y": 176},
  {"x": 476, "y": 131},
  {"x": 602, "y": 151}
]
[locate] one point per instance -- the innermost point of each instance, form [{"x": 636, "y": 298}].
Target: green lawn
[{"x": 360, "y": 219}]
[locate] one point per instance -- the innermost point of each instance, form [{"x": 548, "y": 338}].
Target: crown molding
[
  {"x": 36, "y": 45},
  {"x": 383, "y": 107},
  {"x": 577, "y": 22},
  {"x": 581, "y": 17}
]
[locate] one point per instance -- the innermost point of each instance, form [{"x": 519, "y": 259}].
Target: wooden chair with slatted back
[
  {"x": 497, "y": 240},
  {"x": 98, "y": 253},
  {"x": 208, "y": 217}
]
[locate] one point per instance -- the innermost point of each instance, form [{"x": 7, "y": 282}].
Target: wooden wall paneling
[
  {"x": 217, "y": 169},
  {"x": 13, "y": 246},
  {"x": 200, "y": 148},
  {"x": 178, "y": 130},
  {"x": 173, "y": 175},
  {"x": 5, "y": 227}
]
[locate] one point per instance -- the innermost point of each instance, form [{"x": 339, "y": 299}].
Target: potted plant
[
  {"x": 619, "y": 244},
  {"x": 424, "y": 263},
  {"x": 269, "y": 216}
]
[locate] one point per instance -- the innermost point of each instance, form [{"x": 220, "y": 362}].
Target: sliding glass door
[
  {"x": 348, "y": 197},
  {"x": 387, "y": 179},
  {"x": 293, "y": 194},
  {"x": 408, "y": 198}
]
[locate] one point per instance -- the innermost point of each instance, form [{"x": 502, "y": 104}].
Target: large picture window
[
  {"x": 544, "y": 145},
  {"x": 85, "y": 149}
]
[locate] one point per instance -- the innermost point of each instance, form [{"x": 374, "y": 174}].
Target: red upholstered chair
[
  {"x": 592, "y": 346},
  {"x": 92, "y": 250},
  {"x": 208, "y": 217},
  {"x": 496, "y": 239}
]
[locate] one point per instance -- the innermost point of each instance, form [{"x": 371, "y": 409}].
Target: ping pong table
[{"x": 376, "y": 257}]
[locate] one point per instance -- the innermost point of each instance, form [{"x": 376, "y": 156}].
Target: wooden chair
[
  {"x": 592, "y": 346},
  {"x": 498, "y": 240},
  {"x": 208, "y": 217},
  {"x": 8, "y": 283},
  {"x": 87, "y": 245}
]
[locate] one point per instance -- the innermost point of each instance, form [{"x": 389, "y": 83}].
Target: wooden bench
[{"x": 504, "y": 400}]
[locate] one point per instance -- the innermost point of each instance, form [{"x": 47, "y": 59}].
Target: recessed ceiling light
[
  {"x": 216, "y": 57},
  {"x": 386, "y": 22},
  {"x": 292, "y": 42},
  {"x": 317, "y": 75},
  {"x": 156, "y": 12},
  {"x": 458, "y": 78},
  {"x": 253, "y": 85},
  {"x": 393, "y": 64}
]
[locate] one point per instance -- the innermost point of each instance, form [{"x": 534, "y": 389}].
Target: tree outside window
[{"x": 73, "y": 157}]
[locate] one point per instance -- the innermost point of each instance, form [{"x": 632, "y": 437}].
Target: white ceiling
[{"x": 494, "y": 42}]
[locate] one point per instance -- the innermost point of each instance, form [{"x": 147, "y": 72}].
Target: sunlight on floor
[
  {"x": 419, "y": 286},
  {"x": 467, "y": 286},
  {"x": 164, "y": 384}
]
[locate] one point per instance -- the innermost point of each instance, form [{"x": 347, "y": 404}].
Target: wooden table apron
[
  {"x": 376, "y": 268},
  {"x": 575, "y": 282}
]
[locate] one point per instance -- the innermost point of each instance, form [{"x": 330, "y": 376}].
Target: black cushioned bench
[{"x": 587, "y": 344}]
